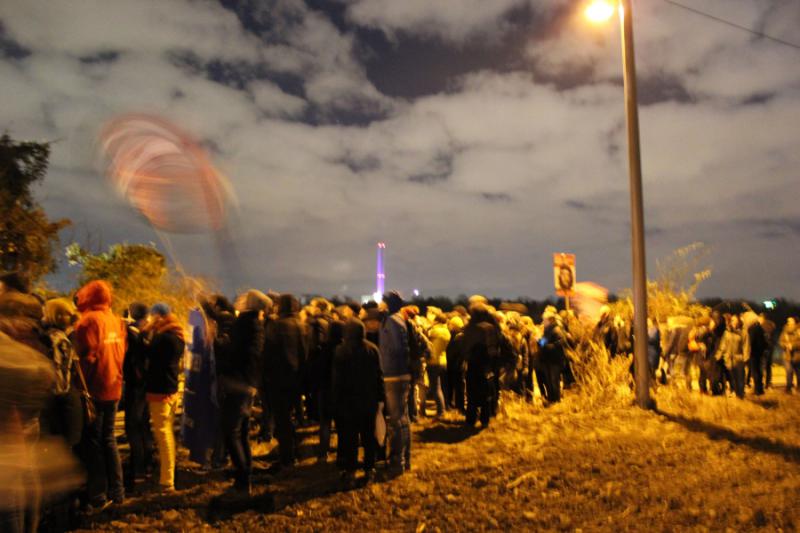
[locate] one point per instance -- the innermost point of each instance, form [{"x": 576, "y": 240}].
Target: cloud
[
  {"x": 454, "y": 21},
  {"x": 473, "y": 180}
]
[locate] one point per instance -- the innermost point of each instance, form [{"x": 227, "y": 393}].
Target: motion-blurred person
[
  {"x": 221, "y": 313},
  {"x": 200, "y": 422},
  {"x": 21, "y": 336},
  {"x": 240, "y": 377},
  {"x": 137, "y": 414},
  {"x": 395, "y": 364},
  {"x": 285, "y": 361},
  {"x": 358, "y": 395},
  {"x": 100, "y": 340},
  {"x": 165, "y": 345}
]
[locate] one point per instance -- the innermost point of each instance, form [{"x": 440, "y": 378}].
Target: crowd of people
[{"x": 266, "y": 365}]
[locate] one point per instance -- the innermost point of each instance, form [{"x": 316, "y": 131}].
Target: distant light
[
  {"x": 416, "y": 292},
  {"x": 770, "y": 304},
  {"x": 376, "y": 296},
  {"x": 599, "y": 11}
]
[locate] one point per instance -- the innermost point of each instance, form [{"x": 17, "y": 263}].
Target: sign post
[{"x": 564, "y": 275}]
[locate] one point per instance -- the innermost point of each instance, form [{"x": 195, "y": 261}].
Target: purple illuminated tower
[{"x": 381, "y": 275}]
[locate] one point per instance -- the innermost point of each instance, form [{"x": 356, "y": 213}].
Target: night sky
[{"x": 474, "y": 137}]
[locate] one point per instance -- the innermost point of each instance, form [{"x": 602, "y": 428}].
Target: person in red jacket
[{"x": 100, "y": 339}]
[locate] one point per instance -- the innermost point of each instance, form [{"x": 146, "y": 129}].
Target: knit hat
[{"x": 160, "y": 309}]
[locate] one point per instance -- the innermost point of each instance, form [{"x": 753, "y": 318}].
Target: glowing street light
[{"x": 600, "y": 11}]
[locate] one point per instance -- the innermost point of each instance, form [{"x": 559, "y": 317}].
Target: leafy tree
[
  {"x": 27, "y": 236},
  {"x": 137, "y": 272}
]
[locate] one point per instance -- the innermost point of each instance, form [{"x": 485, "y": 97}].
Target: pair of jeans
[
  {"x": 101, "y": 456},
  {"x": 435, "y": 378},
  {"x": 398, "y": 426},
  {"x": 162, "y": 419},
  {"x": 236, "y": 427}
]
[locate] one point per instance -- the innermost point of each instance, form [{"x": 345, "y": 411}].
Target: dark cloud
[
  {"x": 101, "y": 57},
  {"x": 9, "y": 48},
  {"x": 759, "y": 98},
  {"x": 658, "y": 88},
  {"x": 496, "y": 196}
]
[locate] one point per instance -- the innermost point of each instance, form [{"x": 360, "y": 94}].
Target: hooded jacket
[
  {"x": 100, "y": 340},
  {"x": 164, "y": 353},
  {"x": 357, "y": 377}
]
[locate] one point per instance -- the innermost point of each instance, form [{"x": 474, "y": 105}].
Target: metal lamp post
[{"x": 597, "y": 12}]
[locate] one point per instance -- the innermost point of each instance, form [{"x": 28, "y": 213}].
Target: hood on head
[
  {"x": 94, "y": 295},
  {"x": 354, "y": 331},
  {"x": 335, "y": 332}
]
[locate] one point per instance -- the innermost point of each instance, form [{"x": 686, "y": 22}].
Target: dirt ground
[{"x": 698, "y": 463}]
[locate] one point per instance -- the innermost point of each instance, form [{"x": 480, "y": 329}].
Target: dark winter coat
[
  {"x": 552, "y": 345},
  {"x": 163, "y": 363},
  {"x": 245, "y": 360},
  {"x": 357, "y": 376},
  {"x": 134, "y": 366},
  {"x": 284, "y": 351}
]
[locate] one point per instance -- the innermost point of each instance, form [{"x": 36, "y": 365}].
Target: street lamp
[{"x": 600, "y": 11}]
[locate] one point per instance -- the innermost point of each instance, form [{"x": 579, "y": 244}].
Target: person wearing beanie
[
  {"x": 100, "y": 340},
  {"x": 137, "y": 414},
  {"x": 165, "y": 341}
]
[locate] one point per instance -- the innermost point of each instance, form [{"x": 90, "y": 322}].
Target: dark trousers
[
  {"x": 480, "y": 396},
  {"x": 792, "y": 374},
  {"x": 236, "y": 427},
  {"x": 324, "y": 410},
  {"x": 351, "y": 427},
  {"x": 552, "y": 381},
  {"x": 757, "y": 374},
  {"x": 455, "y": 386},
  {"x": 137, "y": 429},
  {"x": 101, "y": 457},
  {"x": 267, "y": 416},
  {"x": 737, "y": 378},
  {"x": 707, "y": 378},
  {"x": 283, "y": 402}
]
